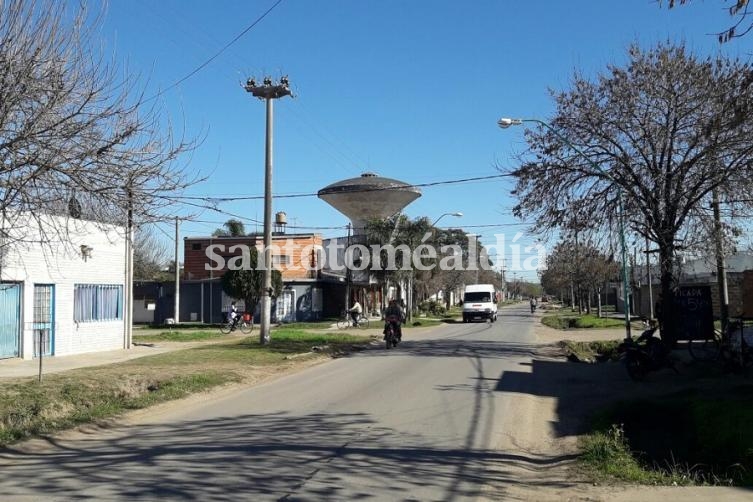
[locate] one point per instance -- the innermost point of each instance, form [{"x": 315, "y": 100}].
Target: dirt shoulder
[{"x": 551, "y": 410}]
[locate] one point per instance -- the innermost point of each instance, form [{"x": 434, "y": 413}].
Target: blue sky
[{"x": 407, "y": 89}]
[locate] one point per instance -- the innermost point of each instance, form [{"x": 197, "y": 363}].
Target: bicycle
[
  {"x": 244, "y": 322},
  {"x": 346, "y": 321},
  {"x": 730, "y": 347}
]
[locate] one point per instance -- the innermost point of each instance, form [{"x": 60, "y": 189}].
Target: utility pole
[
  {"x": 650, "y": 286},
  {"x": 268, "y": 92},
  {"x": 577, "y": 270},
  {"x": 721, "y": 267},
  {"x": 505, "y": 292},
  {"x": 177, "y": 274},
  {"x": 347, "y": 273},
  {"x": 128, "y": 310}
]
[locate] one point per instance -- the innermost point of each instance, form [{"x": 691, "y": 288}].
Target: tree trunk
[
  {"x": 666, "y": 311},
  {"x": 588, "y": 300},
  {"x": 572, "y": 296},
  {"x": 598, "y": 302}
]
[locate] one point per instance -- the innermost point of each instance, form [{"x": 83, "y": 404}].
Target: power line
[
  {"x": 217, "y": 54},
  {"x": 490, "y": 225},
  {"x": 362, "y": 190}
]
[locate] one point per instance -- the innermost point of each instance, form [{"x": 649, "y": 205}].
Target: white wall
[{"x": 61, "y": 263}]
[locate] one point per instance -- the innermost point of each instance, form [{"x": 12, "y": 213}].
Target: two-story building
[{"x": 309, "y": 293}]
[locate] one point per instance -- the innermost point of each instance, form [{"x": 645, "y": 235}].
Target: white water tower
[{"x": 368, "y": 197}]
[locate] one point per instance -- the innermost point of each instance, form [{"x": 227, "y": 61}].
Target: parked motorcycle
[{"x": 645, "y": 354}]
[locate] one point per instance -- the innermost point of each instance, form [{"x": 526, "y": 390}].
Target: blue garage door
[{"x": 10, "y": 319}]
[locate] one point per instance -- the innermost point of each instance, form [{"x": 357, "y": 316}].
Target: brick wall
[{"x": 293, "y": 252}]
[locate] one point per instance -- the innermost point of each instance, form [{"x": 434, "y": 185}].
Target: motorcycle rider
[{"x": 394, "y": 315}]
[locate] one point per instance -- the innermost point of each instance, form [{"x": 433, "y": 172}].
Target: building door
[
  {"x": 10, "y": 319},
  {"x": 286, "y": 306},
  {"x": 44, "y": 319}
]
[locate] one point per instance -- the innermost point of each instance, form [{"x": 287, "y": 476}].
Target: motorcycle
[
  {"x": 391, "y": 337},
  {"x": 645, "y": 354}
]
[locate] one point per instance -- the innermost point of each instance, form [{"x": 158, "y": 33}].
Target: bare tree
[
  {"x": 77, "y": 139},
  {"x": 578, "y": 268},
  {"x": 664, "y": 131},
  {"x": 737, "y": 9},
  {"x": 150, "y": 255}
]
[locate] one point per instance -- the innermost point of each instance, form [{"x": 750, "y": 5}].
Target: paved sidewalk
[{"x": 15, "y": 368}]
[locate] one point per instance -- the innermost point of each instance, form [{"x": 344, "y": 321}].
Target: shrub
[{"x": 432, "y": 307}]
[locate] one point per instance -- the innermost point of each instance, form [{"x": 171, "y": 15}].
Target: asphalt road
[{"x": 426, "y": 421}]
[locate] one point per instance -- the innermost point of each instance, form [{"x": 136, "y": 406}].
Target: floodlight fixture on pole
[
  {"x": 506, "y": 122},
  {"x": 268, "y": 91}
]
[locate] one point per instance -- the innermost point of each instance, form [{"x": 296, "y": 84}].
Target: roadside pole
[
  {"x": 721, "y": 266},
  {"x": 267, "y": 92},
  {"x": 177, "y": 274},
  {"x": 128, "y": 293}
]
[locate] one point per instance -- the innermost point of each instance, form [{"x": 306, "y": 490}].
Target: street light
[
  {"x": 268, "y": 92},
  {"x": 457, "y": 215},
  {"x": 505, "y": 122}
]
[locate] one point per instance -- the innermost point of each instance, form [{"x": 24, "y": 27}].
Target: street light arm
[
  {"x": 505, "y": 123},
  {"x": 456, "y": 214}
]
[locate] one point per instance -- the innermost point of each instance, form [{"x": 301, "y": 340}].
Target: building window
[
  {"x": 196, "y": 246},
  {"x": 97, "y": 302},
  {"x": 281, "y": 259}
]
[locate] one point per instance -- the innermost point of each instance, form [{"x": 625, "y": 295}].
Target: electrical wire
[
  {"x": 216, "y": 55},
  {"x": 218, "y": 200}
]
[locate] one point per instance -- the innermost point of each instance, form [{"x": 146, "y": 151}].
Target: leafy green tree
[
  {"x": 231, "y": 228},
  {"x": 404, "y": 234},
  {"x": 247, "y": 283}
]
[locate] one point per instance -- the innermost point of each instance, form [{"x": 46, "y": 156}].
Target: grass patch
[
  {"x": 63, "y": 400},
  {"x": 28, "y": 408},
  {"x": 179, "y": 326},
  {"x": 599, "y": 351},
  {"x": 178, "y": 336},
  {"x": 560, "y": 321},
  {"x": 606, "y": 456},
  {"x": 324, "y": 324},
  {"x": 691, "y": 437}
]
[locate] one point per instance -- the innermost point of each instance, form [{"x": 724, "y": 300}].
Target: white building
[{"x": 68, "y": 291}]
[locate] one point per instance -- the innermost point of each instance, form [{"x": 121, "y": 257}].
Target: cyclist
[
  {"x": 232, "y": 314},
  {"x": 355, "y": 312},
  {"x": 394, "y": 315}
]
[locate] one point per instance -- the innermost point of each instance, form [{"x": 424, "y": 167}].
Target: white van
[{"x": 479, "y": 302}]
